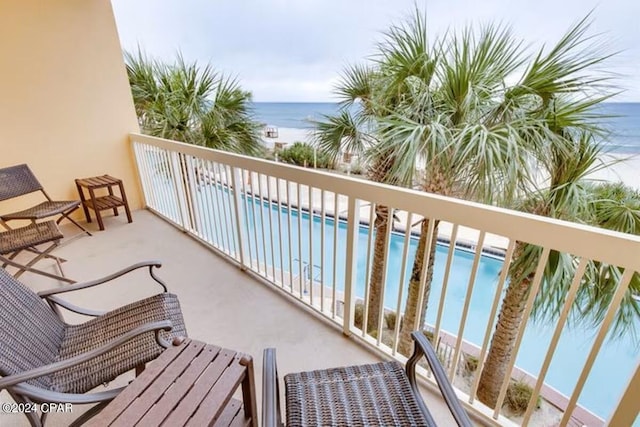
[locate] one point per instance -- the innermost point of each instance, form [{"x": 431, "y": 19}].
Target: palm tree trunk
[
  {"x": 436, "y": 184},
  {"x": 405, "y": 344},
  {"x": 379, "y": 172},
  {"x": 506, "y": 332},
  {"x": 376, "y": 281}
]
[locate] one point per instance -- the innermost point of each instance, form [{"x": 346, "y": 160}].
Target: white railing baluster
[
  {"x": 626, "y": 412},
  {"x": 385, "y": 271},
  {"x": 212, "y": 220},
  {"x": 310, "y": 204},
  {"x": 467, "y": 301},
  {"x": 300, "y": 260},
  {"x": 403, "y": 269},
  {"x": 194, "y": 197},
  {"x": 280, "y": 242},
  {"x": 164, "y": 176},
  {"x": 290, "y": 237},
  {"x": 365, "y": 306},
  {"x": 216, "y": 219},
  {"x": 262, "y": 222},
  {"x": 236, "y": 177},
  {"x": 230, "y": 201},
  {"x": 350, "y": 271},
  {"x": 562, "y": 319},
  {"x": 178, "y": 193},
  {"x": 424, "y": 274},
  {"x": 621, "y": 290},
  {"x": 270, "y": 207},
  {"x": 247, "y": 221},
  {"x": 223, "y": 211},
  {"x": 188, "y": 186},
  {"x": 254, "y": 217},
  {"x": 445, "y": 283},
  {"x": 323, "y": 219},
  {"x": 336, "y": 219}
]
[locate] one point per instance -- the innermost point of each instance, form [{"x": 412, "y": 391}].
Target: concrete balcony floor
[{"x": 221, "y": 304}]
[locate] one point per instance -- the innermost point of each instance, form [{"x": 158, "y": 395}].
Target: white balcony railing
[{"x": 306, "y": 233}]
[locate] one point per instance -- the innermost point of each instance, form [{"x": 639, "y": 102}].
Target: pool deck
[{"x": 221, "y": 304}]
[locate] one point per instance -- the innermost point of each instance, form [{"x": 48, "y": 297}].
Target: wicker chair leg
[
  {"x": 140, "y": 369},
  {"x": 23, "y": 268},
  {"x": 90, "y": 413},
  {"x": 66, "y": 216}
]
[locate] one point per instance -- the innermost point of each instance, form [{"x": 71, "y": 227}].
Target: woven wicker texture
[
  {"x": 30, "y": 235},
  {"x": 82, "y": 338},
  {"x": 30, "y": 332},
  {"x": 16, "y": 181},
  {"x": 31, "y": 335},
  {"x": 366, "y": 395},
  {"x": 43, "y": 210}
]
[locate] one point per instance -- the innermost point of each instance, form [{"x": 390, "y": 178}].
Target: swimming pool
[{"x": 611, "y": 371}]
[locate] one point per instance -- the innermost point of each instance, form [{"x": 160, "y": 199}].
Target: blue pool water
[{"x": 610, "y": 373}]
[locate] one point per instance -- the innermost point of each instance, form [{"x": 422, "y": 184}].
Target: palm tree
[
  {"x": 192, "y": 104},
  {"x": 353, "y": 130},
  {"x": 438, "y": 103},
  {"x": 449, "y": 106},
  {"x": 367, "y": 94},
  {"x": 616, "y": 207},
  {"x": 460, "y": 126},
  {"x": 566, "y": 96}
]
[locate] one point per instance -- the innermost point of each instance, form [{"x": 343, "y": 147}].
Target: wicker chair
[
  {"x": 380, "y": 394},
  {"x": 44, "y": 359},
  {"x": 28, "y": 238},
  {"x": 16, "y": 181}
]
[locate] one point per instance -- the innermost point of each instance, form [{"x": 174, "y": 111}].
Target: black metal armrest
[
  {"x": 423, "y": 347},
  {"x": 84, "y": 285},
  {"x": 163, "y": 325},
  {"x": 271, "y": 416}
]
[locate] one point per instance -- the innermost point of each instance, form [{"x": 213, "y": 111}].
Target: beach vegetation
[
  {"x": 191, "y": 103},
  {"x": 470, "y": 364},
  {"x": 303, "y": 154},
  {"x": 518, "y": 397},
  {"x": 358, "y": 315},
  {"x": 390, "y": 319}
]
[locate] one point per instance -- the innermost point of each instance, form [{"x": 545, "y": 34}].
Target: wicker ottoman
[{"x": 366, "y": 395}]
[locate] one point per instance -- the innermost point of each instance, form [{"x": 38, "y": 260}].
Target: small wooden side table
[
  {"x": 189, "y": 384},
  {"x": 101, "y": 203}
]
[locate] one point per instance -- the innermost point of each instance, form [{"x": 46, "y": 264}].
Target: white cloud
[{"x": 286, "y": 50}]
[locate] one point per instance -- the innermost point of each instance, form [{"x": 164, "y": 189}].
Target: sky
[{"x": 294, "y": 51}]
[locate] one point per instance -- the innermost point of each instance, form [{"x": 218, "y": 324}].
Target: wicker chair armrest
[
  {"x": 163, "y": 325},
  {"x": 423, "y": 347},
  {"x": 38, "y": 394},
  {"x": 57, "y": 301},
  {"x": 84, "y": 285},
  {"x": 271, "y": 416}
]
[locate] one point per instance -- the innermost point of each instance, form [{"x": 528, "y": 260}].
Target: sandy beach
[{"x": 625, "y": 168}]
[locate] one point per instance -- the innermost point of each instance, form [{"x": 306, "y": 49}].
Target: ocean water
[
  {"x": 622, "y": 121},
  {"x": 292, "y": 114}
]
